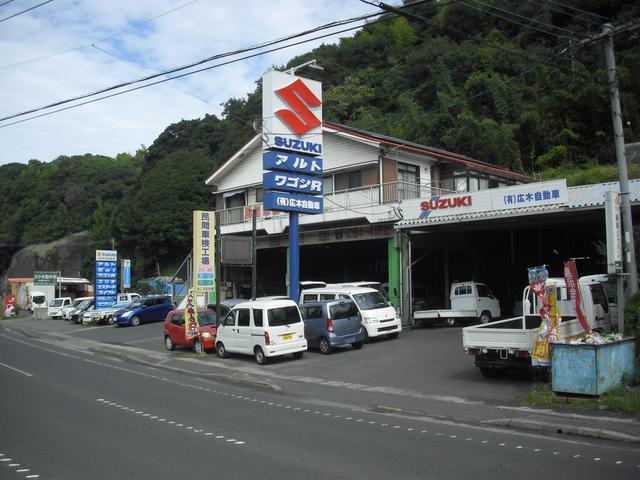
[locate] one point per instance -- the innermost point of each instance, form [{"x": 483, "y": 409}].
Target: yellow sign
[
  {"x": 204, "y": 250},
  {"x": 191, "y": 324}
]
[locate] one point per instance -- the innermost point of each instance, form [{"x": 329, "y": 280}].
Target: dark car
[
  {"x": 174, "y": 331},
  {"x": 225, "y": 305},
  {"x": 331, "y": 323},
  {"x": 144, "y": 310}
]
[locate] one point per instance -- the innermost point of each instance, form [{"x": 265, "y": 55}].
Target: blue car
[
  {"x": 331, "y": 323},
  {"x": 143, "y": 310}
]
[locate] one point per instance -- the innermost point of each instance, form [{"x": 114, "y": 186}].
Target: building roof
[{"x": 383, "y": 141}]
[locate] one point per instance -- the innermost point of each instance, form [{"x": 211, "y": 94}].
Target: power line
[
  {"x": 24, "y": 11},
  {"x": 6, "y": 3},
  {"x": 169, "y": 78},
  {"x": 565, "y": 12},
  {"x": 194, "y": 64},
  {"x": 133, "y": 27},
  {"x": 524, "y": 17},
  {"x": 576, "y": 9}
]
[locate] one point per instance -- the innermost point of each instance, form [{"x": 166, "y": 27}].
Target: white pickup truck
[
  {"x": 508, "y": 344},
  {"x": 105, "y": 315},
  {"x": 469, "y": 301}
]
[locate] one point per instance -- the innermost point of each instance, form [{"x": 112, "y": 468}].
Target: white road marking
[{"x": 16, "y": 370}]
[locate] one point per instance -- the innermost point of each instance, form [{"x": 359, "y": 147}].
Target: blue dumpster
[{"x": 591, "y": 370}]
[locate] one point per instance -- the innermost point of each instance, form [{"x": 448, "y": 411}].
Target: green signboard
[{"x": 45, "y": 278}]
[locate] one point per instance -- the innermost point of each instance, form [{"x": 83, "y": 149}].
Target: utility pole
[{"x": 623, "y": 177}]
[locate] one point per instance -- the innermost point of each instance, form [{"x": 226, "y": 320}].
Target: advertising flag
[
  {"x": 570, "y": 273},
  {"x": 191, "y": 325}
]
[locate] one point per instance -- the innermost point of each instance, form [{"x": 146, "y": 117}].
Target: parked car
[
  {"x": 331, "y": 323},
  {"x": 144, "y": 310},
  {"x": 378, "y": 315},
  {"x": 263, "y": 328},
  {"x": 56, "y": 305},
  {"x": 106, "y": 315},
  {"x": 66, "y": 311},
  {"x": 174, "y": 331},
  {"x": 78, "y": 312},
  {"x": 225, "y": 305}
]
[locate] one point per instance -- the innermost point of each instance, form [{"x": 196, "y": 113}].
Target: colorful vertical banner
[
  {"x": 570, "y": 273},
  {"x": 548, "y": 330},
  {"x": 537, "y": 281},
  {"x": 203, "y": 251},
  {"x": 191, "y": 323}
]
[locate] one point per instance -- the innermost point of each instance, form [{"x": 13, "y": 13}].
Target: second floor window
[{"x": 346, "y": 181}]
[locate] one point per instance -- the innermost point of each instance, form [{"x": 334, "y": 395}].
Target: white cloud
[{"x": 121, "y": 124}]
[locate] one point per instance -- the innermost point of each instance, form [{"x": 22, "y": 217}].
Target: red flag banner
[{"x": 571, "y": 279}]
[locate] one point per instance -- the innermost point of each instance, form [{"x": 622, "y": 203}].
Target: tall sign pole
[
  {"x": 292, "y": 134},
  {"x": 618, "y": 135}
]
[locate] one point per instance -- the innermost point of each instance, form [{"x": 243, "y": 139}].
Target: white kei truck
[
  {"x": 508, "y": 344},
  {"x": 470, "y": 301}
]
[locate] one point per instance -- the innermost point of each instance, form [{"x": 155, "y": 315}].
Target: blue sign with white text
[
  {"x": 292, "y": 182},
  {"x": 291, "y": 162},
  {"x": 288, "y": 202},
  {"x": 106, "y": 284}
]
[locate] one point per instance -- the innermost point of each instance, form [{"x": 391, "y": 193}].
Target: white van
[
  {"x": 263, "y": 328},
  {"x": 378, "y": 315}
]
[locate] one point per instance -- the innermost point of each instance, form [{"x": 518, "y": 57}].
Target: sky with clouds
[{"x": 151, "y": 36}]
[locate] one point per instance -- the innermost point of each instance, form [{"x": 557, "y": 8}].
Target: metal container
[{"x": 591, "y": 370}]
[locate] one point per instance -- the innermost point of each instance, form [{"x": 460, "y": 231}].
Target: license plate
[{"x": 288, "y": 336}]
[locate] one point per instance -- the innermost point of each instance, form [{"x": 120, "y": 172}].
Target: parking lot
[{"x": 428, "y": 361}]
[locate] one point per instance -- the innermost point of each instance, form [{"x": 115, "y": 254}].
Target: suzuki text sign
[
  {"x": 291, "y": 113},
  {"x": 291, "y": 162}
]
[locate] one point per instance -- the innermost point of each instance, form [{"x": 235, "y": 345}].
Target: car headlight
[
  {"x": 127, "y": 314},
  {"x": 206, "y": 335}
]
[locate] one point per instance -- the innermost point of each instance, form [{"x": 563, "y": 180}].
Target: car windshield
[
  {"x": 56, "y": 302},
  {"x": 283, "y": 316},
  {"x": 135, "y": 304},
  {"x": 85, "y": 304},
  {"x": 343, "y": 310},
  {"x": 39, "y": 299},
  {"x": 77, "y": 302},
  {"x": 370, "y": 300},
  {"x": 122, "y": 304},
  {"x": 207, "y": 318}
]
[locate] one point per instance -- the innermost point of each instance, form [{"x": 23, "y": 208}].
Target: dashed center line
[
  {"x": 4, "y": 462},
  {"x": 148, "y": 416}
]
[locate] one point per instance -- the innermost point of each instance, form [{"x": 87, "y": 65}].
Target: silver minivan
[{"x": 332, "y": 323}]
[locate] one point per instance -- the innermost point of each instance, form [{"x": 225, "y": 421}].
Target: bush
[{"x": 632, "y": 316}]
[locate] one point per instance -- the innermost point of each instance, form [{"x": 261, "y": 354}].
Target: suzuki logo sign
[
  {"x": 298, "y": 96},
  {"x": 292, "y": 113}
]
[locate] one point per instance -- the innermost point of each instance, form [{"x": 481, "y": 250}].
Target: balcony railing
[{"x": 380, "y": 194}]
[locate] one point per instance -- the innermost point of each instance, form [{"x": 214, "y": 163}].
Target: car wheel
[
  {"x": 197, "y": 346},
  {"x": 135, "y": 321},
  {"x": 169, "y": 343},
  {"x": 393, "y": 335},
  {"x": 366, "y": 336},
  {"x": 298, "y": 355},
  {"x": 220, "y": 350},
  {"x": 261, "y": 358},
  {"x": 325, "y": 346},
  {"x": 450, "y": 322},
  {"x": 112, "y": 320},
  {"x": 357, "y": 345},
  {"x": 485, "y": 317}
]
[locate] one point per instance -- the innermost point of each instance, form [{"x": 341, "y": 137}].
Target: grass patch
[{"x": 622, "y": 399}]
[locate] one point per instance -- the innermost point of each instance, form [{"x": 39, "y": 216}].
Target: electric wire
[
  {"x": 565, "y": 12},
  {"x": 576, "y": 9},
  {"x": 23, "y": 11},
  {"x": 6, "y": 3},
  {"x": 170, "y": 78},
  {"x": 133, "y": 27},
  {"x": 199, "y": 62},
  {"x": 524, "y": 17}
]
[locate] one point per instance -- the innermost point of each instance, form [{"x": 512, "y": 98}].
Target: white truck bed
[{"x": 510, "y": 334}]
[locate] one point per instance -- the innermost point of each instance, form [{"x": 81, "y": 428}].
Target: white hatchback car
[{"x": 263, "y": 328}]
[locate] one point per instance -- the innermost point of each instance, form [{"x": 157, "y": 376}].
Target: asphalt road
[
  {"x": 68, "y": 415},
  {"x": 430, "y": 360}
]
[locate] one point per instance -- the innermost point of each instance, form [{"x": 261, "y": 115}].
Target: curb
[{"x": 563, "y": 429}]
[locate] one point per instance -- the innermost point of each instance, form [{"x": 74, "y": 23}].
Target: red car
[{"x": 174, "y": 331}]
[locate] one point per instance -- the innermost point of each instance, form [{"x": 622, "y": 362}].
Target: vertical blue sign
[
  {"x": 106, "y": 283},
  {"x": 126, "y": 273}
]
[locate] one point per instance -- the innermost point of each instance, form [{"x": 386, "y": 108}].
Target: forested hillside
[{"x": 514, "y": 83}]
